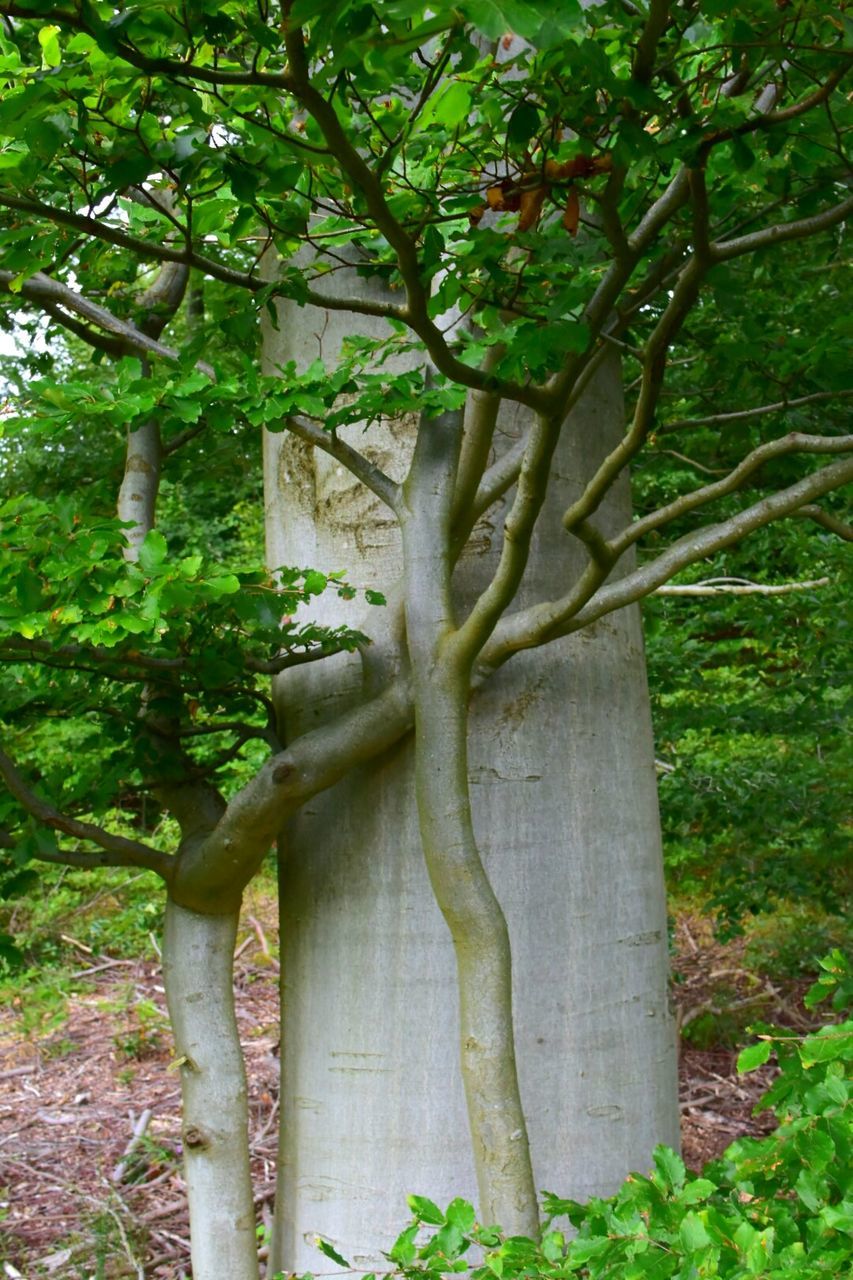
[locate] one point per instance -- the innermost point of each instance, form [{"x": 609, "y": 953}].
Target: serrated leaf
[{"x": 671, "y": 1168}]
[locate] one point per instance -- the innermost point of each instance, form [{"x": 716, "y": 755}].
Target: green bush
[{"x": 777, "y": 1207}]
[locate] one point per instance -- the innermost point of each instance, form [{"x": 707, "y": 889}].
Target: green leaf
[
  {"x": 754, "y": 1055},
  {"x": 403, "y": 1250},
  {"x": 671, "y": 1168},
  {"x": 697, "y": 1189},
  {"x": 693, "y": 1233},
  {"x": 51, "y": 54},
  {"x": 829, "y": 1043},
  {"x": 426, "y": 1210},
  {"x": 449, "y": 107},
  {"x": 582, "y": 1251},
  {"x": 331, "y": 1252},
  {"x": 523, "y": 124},
  {"x": 461, "y": 1214},
  {"x": 152, "y": 552},
  {"x": 315, "y": 583}
]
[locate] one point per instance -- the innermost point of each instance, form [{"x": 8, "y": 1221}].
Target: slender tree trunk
[
  {"x": 478, "y": 929},
  {"x": 198, "y": 955},
  {"x": 481, "y": 943},
  {"x": 561, "y": 769}
]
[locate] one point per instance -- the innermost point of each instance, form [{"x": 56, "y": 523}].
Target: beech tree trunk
[{"x": 564, "y": 802}]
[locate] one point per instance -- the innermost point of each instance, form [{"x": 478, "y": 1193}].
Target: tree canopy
[{"x": 508, "y": 201}]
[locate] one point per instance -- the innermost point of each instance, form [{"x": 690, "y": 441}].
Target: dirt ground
[{"x": 82, "y": 1198}]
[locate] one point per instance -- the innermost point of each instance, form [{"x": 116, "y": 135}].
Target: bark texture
[
  {"x": 197, "y": 971},
  {"x": 565, "y": 813}
]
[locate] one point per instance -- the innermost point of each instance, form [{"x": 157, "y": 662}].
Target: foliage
[
  {"x": 750, "y": 699},
  {"x": 777, "y": 1207},
  {"x": 489, "y": 162},
  {"x": 523, "y": 190}
]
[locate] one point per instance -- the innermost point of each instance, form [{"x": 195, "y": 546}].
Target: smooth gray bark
[
  {"x": 561, "y": 766},
  {"x": 441, "y": 675},
  {"x": 198, "y": 976}
]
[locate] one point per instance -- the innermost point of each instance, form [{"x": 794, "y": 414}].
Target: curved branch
[
  {"x": 769, "y": 118},
  {"x": 552, "y": 619},
  {"x": 159, "y": 251},
  {"x": 49, "y": 293},
  {"x": 370, "y": 475},
  {"x": 654, "y": 368},
  {"x": 698, "y": 546},
  {"x": 212, "y": 875},
  {"x": 119, "y": 851},
  {"x": 748, "y": 415},
  {"x": 791, "y": 443},
  {"x": 839, "y": 527},
  {"x": 782, "y": 232}
]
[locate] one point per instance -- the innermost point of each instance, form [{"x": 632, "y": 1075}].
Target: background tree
[{"x": 517, "y": 212}]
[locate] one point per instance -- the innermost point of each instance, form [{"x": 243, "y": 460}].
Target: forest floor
[{"x": 81, "y": 1198}]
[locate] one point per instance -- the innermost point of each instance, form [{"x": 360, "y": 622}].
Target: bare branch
[
  {"x": 98, "y": 341},
  {"x": 782, "y": 232},
  {"x": 748, "y": 415},
  {"x": 481, "y": 415},
  {"x": 370, "y": 475},
  {"x": 698, "y": 546},
  {"x": 547, "y": 621},
  {"x": 654, "y": 366},
  {"x": 120, "y": 851},
  {"x": 500, "y": 477},
  {"x": 644, "y": 54},
  {"x": 813, "y": 512},
  {"x": 738, "y": 587},
  {"x": 50, "y": 293},
  {"x": 791, "y": 443},
  {"x": 765, "y": 120},
  {"x": 518, "y": 531}
]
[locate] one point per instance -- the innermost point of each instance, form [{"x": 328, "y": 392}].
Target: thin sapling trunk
[{"x": 198, "y": 955}]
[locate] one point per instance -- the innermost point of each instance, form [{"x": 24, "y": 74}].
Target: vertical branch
[
  {"x": 459, "y": 881},
  {"x": 137, "y": 498}
]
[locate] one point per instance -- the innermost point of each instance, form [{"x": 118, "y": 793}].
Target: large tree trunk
[{"x": 565, "y": 813}]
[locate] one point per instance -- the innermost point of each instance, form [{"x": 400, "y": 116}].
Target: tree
[{"x": 501, "y": 203}]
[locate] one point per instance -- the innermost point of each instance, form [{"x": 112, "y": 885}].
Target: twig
[
  {"x": 81, "y": 946},
  {"x": 139, "y": 1130},
  {"x": 262, "y": 939}
]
